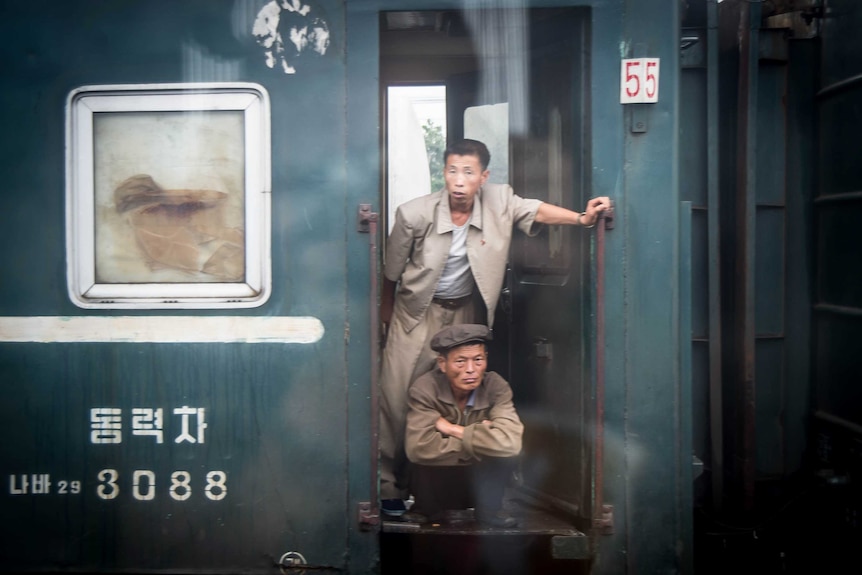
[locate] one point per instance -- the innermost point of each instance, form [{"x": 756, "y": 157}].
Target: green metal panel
[
  {"x": 769, "y": 265},
  {"x": 768, "y": 184},
  {"x": 694, "y": 189},
  {"x": 644, "y": 465},
  {"x": 838, "y": 211},
  {"x": 837, "y": 325},
  {"x": 699, "y": 184},
  {"x": 278, "y": 415},
  {"x": 649, "y": 232},
  {"x": 263, "y": 432},
  {"x": 684, "y": 413},
  {"x": 549, "y": 352},
  {"x": 801, "y": 178},
  {"x": 287, "y": 422},
  {"x": 363, "y": 172}
]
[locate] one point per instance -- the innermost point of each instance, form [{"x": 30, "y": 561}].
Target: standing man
[
  {"x": 446, "y": 253},
  {"x": 463, "y": 433}
]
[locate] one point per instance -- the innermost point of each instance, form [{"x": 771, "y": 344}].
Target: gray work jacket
[{"x": 421, "y": 236}]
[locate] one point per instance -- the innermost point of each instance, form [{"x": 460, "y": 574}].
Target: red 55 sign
[{"x": 639, "y": 81}]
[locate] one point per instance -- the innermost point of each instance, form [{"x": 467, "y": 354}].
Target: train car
[{"x": 196, "y": 202}]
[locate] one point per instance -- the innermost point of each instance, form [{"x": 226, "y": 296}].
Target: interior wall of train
[{"x": 193, "y": 218}]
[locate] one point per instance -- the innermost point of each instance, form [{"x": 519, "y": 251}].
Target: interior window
[{"x": 415, "y": 140}]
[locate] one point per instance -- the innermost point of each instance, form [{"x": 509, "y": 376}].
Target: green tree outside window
[{"x": 435, "y": 145}]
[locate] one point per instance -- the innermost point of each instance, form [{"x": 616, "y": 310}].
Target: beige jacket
[
  {"x": 431, "y": 397},
  {"x": 419, "y": 243}
]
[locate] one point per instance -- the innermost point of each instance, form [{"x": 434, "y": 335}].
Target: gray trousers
[{"x": 481, "y": 485}]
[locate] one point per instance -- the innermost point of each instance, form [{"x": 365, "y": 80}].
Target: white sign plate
[{"x": 639, "y": 81}]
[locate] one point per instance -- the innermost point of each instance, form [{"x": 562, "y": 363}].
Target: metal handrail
[
  {"x": 369, "y": 512},
  {"x": 602, "y": 513}
]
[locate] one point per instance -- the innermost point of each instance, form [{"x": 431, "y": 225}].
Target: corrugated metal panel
[{"x": 838, "y": 213}]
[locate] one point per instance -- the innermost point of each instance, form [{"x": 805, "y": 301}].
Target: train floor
[
  {"x": 459, "y": 545},
  {"x": 804, "y": 532}
]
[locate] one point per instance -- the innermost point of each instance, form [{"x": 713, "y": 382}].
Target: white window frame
[{"x": 84, "y": 290}]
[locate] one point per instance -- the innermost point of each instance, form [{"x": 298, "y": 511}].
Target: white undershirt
[{"x": 457, "y": 279}]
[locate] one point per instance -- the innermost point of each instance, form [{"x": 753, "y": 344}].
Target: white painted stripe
[{"x": 161, "y": 329}]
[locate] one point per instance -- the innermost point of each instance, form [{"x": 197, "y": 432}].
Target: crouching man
[{"x": 463, "y": 432}]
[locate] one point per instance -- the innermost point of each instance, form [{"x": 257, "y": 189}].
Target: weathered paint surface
[
  {"x": 288, "y": 29},
  {"x": 286, "y": 425},
  {"x": 92, "y": 475}
]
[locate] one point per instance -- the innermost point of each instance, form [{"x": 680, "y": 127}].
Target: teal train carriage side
[{"x": 194, "y": 214}]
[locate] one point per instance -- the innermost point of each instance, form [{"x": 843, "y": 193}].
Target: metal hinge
[
  {"x": 364, "y": 218},
  {"x": 608, "y": 217},
  {"x": 604, "y": 523},
  {"x": 367, "y": 515}
]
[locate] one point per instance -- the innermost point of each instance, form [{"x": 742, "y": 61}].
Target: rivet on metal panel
[{"x": 639, "y": 118}]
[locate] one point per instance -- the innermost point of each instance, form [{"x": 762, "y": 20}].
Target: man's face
[
  {"x": 464, "y": 366},
  {"x": 464, "y": 177}
]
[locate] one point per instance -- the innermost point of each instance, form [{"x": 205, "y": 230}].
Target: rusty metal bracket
[
  {"x": 367, "y": 515},
  {"x": 364, "y": 218},
  {"x": 608, "y": 217},
  {"x": 604, "y": 523}
]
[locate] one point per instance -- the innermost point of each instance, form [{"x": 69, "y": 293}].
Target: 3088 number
[{"x": 143, "y": 485}]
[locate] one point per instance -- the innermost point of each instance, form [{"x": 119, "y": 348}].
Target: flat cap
[{"x": 459, "y": 334}]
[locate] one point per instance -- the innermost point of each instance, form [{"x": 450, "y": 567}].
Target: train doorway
[{"x": 517, "y": 79}]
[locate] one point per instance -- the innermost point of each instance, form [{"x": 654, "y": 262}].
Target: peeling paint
[
  {"x": 161, "y": 329},
  {"x": 287, "y": 31},
  {"x": 624, "y": 49}
]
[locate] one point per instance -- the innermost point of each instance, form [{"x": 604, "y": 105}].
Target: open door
[
  {"x": 531, "y": 112},
  {"x": 549, "y": 327},
  {"x": 517, "y": 80}
]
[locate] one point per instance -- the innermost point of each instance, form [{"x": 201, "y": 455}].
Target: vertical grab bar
[
  {"x": 369, "y": 513},
  {"x": 603, "y": 518}
]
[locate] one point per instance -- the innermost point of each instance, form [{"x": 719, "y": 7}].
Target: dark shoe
[
  {"x": 413, "y": 517},
  {"x": 498, "y": 518},
  {"x": 393, "y": 507}
]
